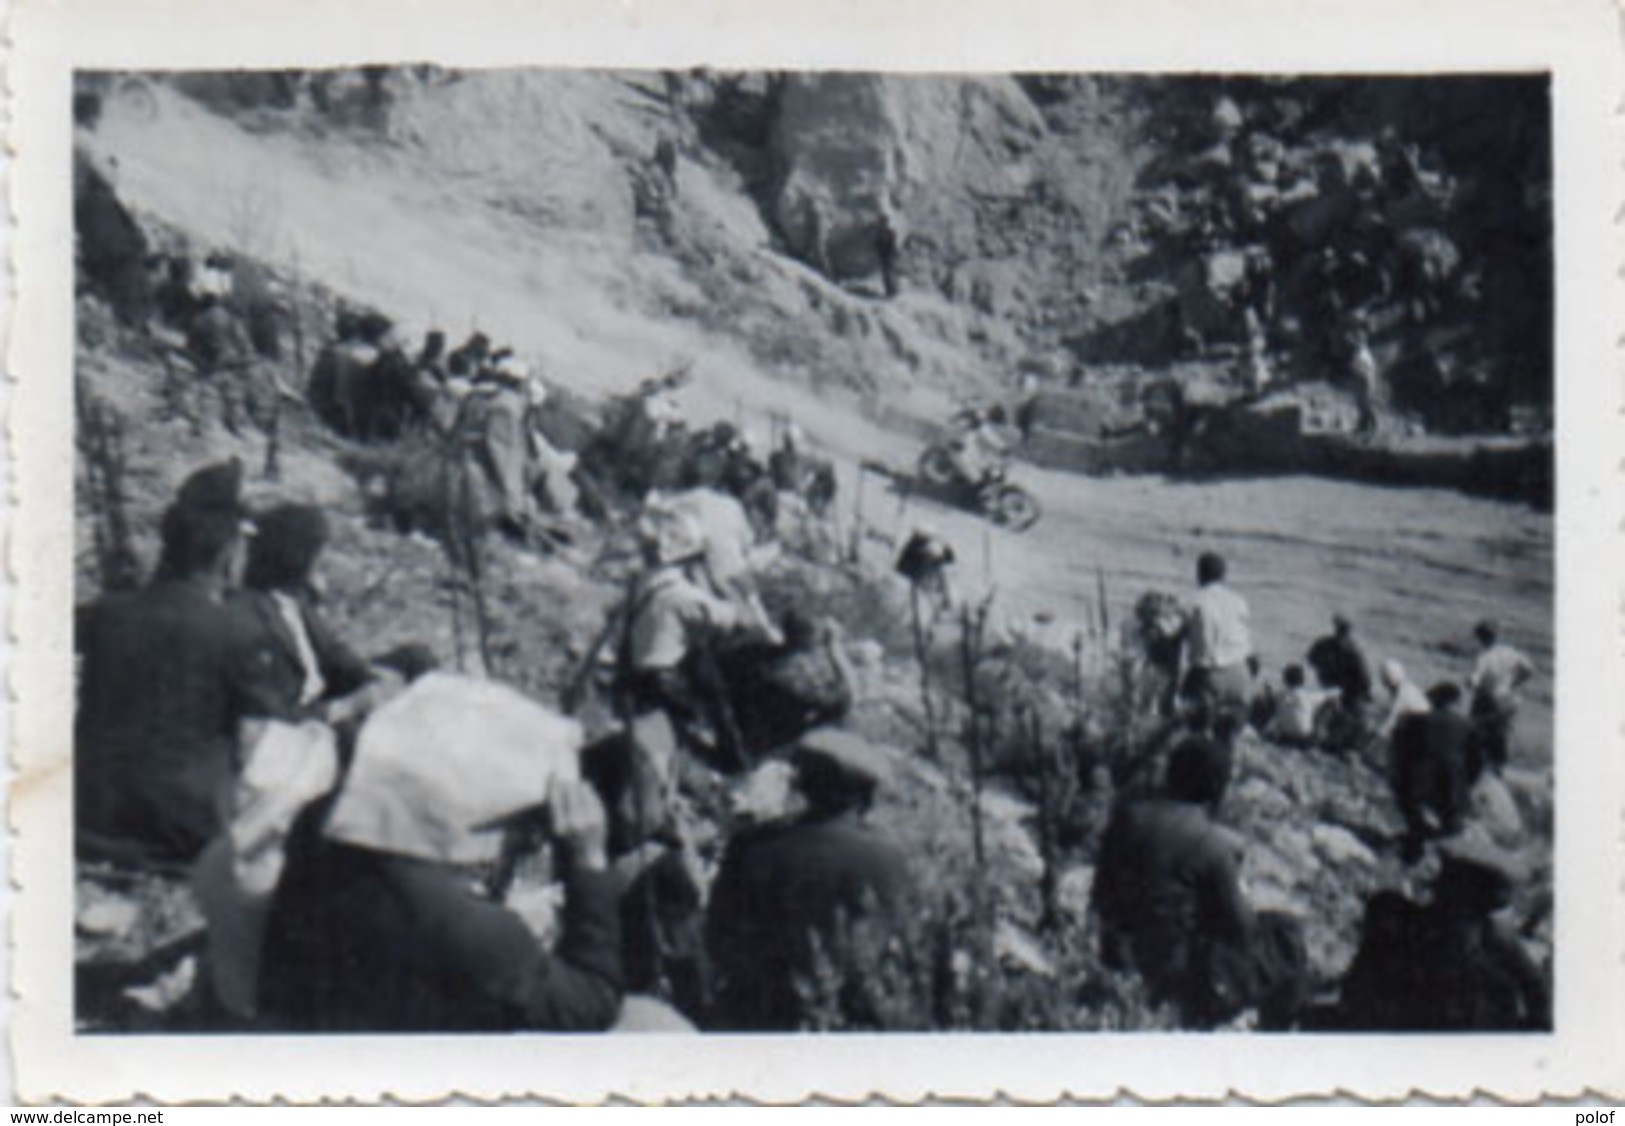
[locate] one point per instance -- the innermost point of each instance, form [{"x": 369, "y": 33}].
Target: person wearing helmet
[{"x": 982, "y": 446}]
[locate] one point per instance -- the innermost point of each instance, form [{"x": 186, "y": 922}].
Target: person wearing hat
[
  {"x": 1432, "y": 768},
  {"x": 402, "y": 906},
  {"x": 1452, "y": 964},
  {"x": 672, "y": 620},
  {"x": 1498, "y": 675},
  {"x": 786, "y": 889},
  {"x": 162, "y": 688},
  {"x": 296, "y": 661},
  {"x": 1168, "y": 896}
]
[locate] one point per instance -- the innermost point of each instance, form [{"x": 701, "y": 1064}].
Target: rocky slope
[{"x": 532, "y": 207}]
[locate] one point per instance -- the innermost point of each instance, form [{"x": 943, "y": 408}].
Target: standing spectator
[
  {"x": 1218, "y": 640},
  {"x": 224, "y": 356},
  {"x": 674, "y": 620},
  {"x": 1341, "y": 666},
  {"x": 1498, "y": 676},
  {"x": 887, "y": 244},
  {"x": 1362, "y": 368},
  {"x": 1431, "y": 769},
  {"x": 1169, "y": 899}
]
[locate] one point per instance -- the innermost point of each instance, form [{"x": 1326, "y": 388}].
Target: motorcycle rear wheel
[
  {"x": 937, "y": 468},
  {"x": 1014, "y": 507}
]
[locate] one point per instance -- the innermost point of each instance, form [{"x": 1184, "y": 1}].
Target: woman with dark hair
[{"x": 297, "y": 662}]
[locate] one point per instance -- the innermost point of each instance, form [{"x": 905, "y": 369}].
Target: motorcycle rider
[{"x": 981, "y": 449}]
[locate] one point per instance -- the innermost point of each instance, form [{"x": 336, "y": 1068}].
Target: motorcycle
[{"x": 994, "y": 496}]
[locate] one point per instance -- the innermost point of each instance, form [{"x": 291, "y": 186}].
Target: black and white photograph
[{"x": 706, "y": 550}]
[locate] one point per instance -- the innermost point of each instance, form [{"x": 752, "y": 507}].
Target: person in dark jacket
[
  {"x": 1448, "y": 965},
  {"x": 219, "y": 346},
  {"x": 162, "y": 688},
  {"x": 1340, "y": 663},
  {"x": 388, "y": 917},
  {"x": 785, "y": 886},
  {"x": 296, "y": 661},
  {"x": 1431, "y": 769},
  {"x": 1341, "y": 666},
  {"x": 1168, "y": 896},
  {"x": 112, "y": 249}
]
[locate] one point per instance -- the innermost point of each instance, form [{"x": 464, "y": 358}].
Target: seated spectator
[
  {"x": 1295, "y": 722},
  {"x": 1404, "y": 698},
  {"x": 780, "y": 691},
  {"x": 377, "y": 924},
  {"x": 787, "y": 888},
  {"x": 161, "y": 689},
  {"x": 296, "y": 661}
]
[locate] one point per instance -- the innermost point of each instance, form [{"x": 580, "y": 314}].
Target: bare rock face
[
  {"x": 556, "y": 165},
  {"x": 925, "y": 148}
]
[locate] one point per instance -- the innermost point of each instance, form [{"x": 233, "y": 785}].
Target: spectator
[
  {"x": 375, "y": 926},
  {"x": 1169, "y": 899},
  {"x": 295, "y": 660},
  {"x": 1498, "y": 676},
  {"x": 1405, "y": 698},
  {"x": 785, "y": 888},
  {"x": 1451, "y": 965},
  {"x": 1218, "y": 640},
  {"x": 162, "y": 689},
  {"x": 1431, "y": 769},
  {"x": 1298, "y": 709},
  {"x": 1340, "y": 664}
]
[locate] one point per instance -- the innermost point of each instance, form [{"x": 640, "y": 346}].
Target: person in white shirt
[
  {"x": 1294, "y": 721},
  {"x": 1405, "y": 698},
  {"x": 674, "y": 617},
  {"x": 1218, "y": 639},
  {"x": 1501, "y": 671}
]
